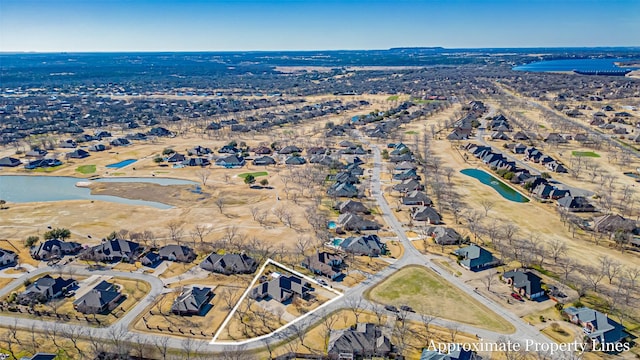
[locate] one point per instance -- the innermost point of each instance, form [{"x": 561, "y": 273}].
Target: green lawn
[
  {"x": 86, "y": 169},
  {"x": 255, "y": 174},
  {"x": 426, "y": 292},
  {"x": 411, "y": 132},
  {"x": 393, "y": 98},
  {"x": 48, "y": 169},
  {"x": 585, "y": 154}
]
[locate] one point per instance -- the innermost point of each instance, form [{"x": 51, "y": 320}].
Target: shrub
[
  {"x": 167, "y": 151},
  {"x": 58, "y": 233},
  {"x": 158, "y": 159},
  {"x": 542, "y": 318},
  {"x": 249, "y": 179},
  {"x": 559, "y": 306},
  {"x": 31, "y": 240}
]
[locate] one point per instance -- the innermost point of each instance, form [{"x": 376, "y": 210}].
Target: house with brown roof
[{"x": 325, "y": 264}]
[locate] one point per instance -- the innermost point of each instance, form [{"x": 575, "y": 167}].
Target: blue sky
[{"x": 218, "y": 25}]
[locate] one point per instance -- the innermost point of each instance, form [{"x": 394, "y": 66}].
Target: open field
[{"x": 424, "y": 291}]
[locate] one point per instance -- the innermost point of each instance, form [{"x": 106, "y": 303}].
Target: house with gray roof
[
  {"x": 231, "y": 161},
  {"x": 408, "y": 185},
  {"x": 369, "y": 245},
  {"x": 264, "y": 161},
  {"x": 475, "y": 258},
  {"x": 444, "y": 236},
  {"x": 405, "y": 165},
  {"x": 407, "y": 174},
  {"x": 45, "y": 289},
  {"x": 7, "y": 258},
  {"x": 416, "y": 197},
  {"x": 324, "y": 263},
  {"x": 281, "y": 289},
  {"x": 611, "y": 223},
  {"x": 295, "y": 160},
  {"x": 114, "y": 251},
  {"x": 9, "y": 162},
  {"x": 343, "y": 190},
  {"x": 229, "y": 264},
  {"x": 290, "y": 149},
  {"x": 354, "y": 222},
  {"x": 192, "y": 301},
  {"x": 427, "y": 214},
  {"x": 178, "y": 253},
  {"x": 575, "y": 204},
  {"x": 365, "y": 341},
  {"x": 54, "y": 249},
  {"x": 597, "y": 326},
  {"x": 526, "y": 283},
  {"x": 352, "y": 206},
  {"x": 102, "y": 298}
]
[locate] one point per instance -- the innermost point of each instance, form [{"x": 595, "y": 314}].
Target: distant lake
[
  {"x": 575, "y": 64},
  {"x": 24, "y": 188}
]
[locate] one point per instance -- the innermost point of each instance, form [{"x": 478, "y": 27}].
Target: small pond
[
  {"x": 503, "y": 189},
  {"x": 121, "y": 164},
  {"x": 25, "y": 188}
]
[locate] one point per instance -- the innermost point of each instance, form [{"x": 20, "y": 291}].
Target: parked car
[
  {"x": 391, "y": 308},
  {"x": 407, "y": 308},
  {"x": 516, "y": 296}
]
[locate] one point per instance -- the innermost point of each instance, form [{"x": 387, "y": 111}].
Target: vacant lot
[{"x": 423, "y": 290}]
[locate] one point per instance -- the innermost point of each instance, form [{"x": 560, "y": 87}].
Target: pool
[
  {"x": 336, "y": 241},
  {"x": 331, "y": 225},
  {"x": 503, "y": 189},
  {"x": 121, "y": 164}
]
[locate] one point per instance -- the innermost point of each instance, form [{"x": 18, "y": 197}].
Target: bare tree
[
  {"x": 557, "y": 249},
  {"x": 203, "y": 175},
  {"x": 487, "y": 205},
  {"x": 176, "y": 230},
  {"x": 593, "y": 275},
  {"x": 356, "y": 306},
  {"x": 489, "y": 279},
  {"x": 611, "y": 267},
  {"x": 220, "y": 203}
]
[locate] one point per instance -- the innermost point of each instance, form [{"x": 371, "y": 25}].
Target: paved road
[{"x": 352, "y": 296}]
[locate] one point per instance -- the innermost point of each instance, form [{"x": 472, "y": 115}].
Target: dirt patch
[{"x": 176, "y": 195}]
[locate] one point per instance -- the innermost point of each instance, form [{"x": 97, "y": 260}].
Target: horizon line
[{"x": 10, "y": 52}]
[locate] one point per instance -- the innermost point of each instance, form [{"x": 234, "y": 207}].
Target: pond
[
  {"x": 121, "y": 164},
  {"x": 503, "y": 189},
  {"x": 24, "y": 188}
]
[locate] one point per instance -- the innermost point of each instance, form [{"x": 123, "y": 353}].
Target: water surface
[{"x": 503, "y": 189}]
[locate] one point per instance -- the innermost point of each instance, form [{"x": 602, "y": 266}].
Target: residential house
[
  {"x": 426, "y": 213},
  {"x": 353, "y": 222},
  {"x": 519, "y": 148},
  {"x": 402, "y": 158},
  {"x": 408, "y": 174},
  {"x": 160, "y": 132},
  {"x": 231, "y": 161},
  {"x": 150, "y": 259},
  {"x": 264, "y": 161},
  {"x": 192, "y": 301},
  {"x": 199, "y": 151},
  {"x": 324, "y": 263},
  {"x": 288, "y": 150},
  {"x": 102, "y": 135},
  {"x": 499, "y": 135},
  {"x": 316, "y": 150},
  {"x": 459, "y": 134},
  {"x": 67, "y": 144},
  {"x": 295, "y": 160},
  {"x": 343, "y": 190},
  {"x": 520, "y": 136},
  {"x": 77, "y": 154},
  {"x": 369, "y": 245},
  {"x": 416, "y": 197},
  {"x": 229, "y": 149},
  {"x": 102, "y": 298},
  {"x": 54, "y": 249},
  {"x": 526, "y": 283},
  {"x": 406, "y": 165},
  {"x": 475, "y": 258},
  {"x": 281, "y": 289},
  {"x": 365, "y": 341},
  {"x": 575, "y": 204},
  {"x": 97, "y": 148},
  {"x": 408, "y": 186},
  {"x": 611, "y": 223},
  {"x": 352, "y": 206},
  {"x": 555, "y": 166},
  {"x": 45, "y": 289},
  {"x": 42, "y": 163},
  {"x": 36, "y": 153},
  {"x": 9, "y": 162},
  {"x": 229, "y": 264},
  {"x": 596, "y": 325},
  {"x": 114, "y": 251},
  {"x": 444, "y": 236},
  {"x": 120, "y": 142},
  {"x": 261, "y": 150},
  {"x": 176, "y": 158},
  {"x": 198, "y": 161},
  {"x": 7, "y": 258},
  {"x": 555, "y": 138},
  {"x": 179, "y": 253}
]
